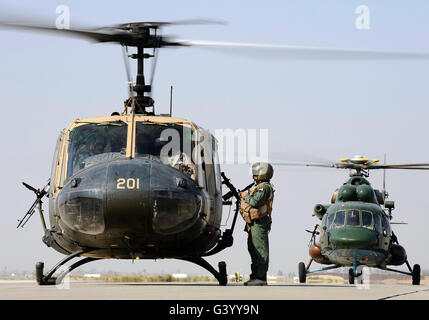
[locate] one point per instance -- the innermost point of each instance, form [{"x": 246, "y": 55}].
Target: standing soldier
[{"x": 256, "y": 209}]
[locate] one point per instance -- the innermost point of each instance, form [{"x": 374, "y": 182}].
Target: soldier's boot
[{"x": 255, "y": 282}]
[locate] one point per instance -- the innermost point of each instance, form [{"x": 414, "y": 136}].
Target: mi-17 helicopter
[
  {"x": 138, "y": 185},
  {"x": 355, "y": 228}
]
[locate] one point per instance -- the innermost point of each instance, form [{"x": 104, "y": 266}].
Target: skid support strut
[
  {"x": 49, "y": 279},
  {"x": 221, "y": 275}
]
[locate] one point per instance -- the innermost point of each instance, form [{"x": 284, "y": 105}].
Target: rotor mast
[
  {"x": 141, "y": 103},
  {"x": 142, "y": 35}
]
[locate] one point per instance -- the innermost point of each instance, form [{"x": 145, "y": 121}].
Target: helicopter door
[
  {"x": 216, "y": 165},
  {"x": 206, "y": 161},
  {"x": 55, "y": 165}
]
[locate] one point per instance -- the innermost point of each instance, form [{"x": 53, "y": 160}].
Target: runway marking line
[{"x": 403, "y": 294}]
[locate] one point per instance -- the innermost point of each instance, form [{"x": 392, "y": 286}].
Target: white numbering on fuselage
[{"x": 130, "y": 183}]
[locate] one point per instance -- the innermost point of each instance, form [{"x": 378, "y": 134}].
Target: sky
[{"x": 313, "y": 109}]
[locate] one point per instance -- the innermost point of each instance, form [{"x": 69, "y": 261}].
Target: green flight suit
[{"x": 257, "y": 241}]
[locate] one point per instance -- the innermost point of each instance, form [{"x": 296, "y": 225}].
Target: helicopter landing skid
[
  {"x": 220, "y": 275},
  {"x": 48, "y": 279}
]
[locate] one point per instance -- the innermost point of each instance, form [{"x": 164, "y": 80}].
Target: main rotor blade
[
  {"x": 156, "y": 24},
  {"x": 303, "y": 52},
  {"x": 415, "y": 166},
  {"x": 297, "y": 164},
  {"x": 399, "y": 167},
  {"x": 118, "y": 36},
  {"x": 97, "y": 35},
  {"x": 410, "y": 166}
]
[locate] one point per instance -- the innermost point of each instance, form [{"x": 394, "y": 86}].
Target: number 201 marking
[{"x": 129, "y": 183}]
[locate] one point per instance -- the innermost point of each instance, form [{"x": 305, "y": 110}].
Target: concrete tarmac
[{"x": 87, "y": 290}]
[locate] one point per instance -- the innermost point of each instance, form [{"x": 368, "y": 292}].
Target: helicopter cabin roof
[
  {"x": 136, "y": 117},
  {"x": 356, "y": 205}
]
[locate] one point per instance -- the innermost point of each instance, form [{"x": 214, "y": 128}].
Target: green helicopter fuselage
[{"x": 355, "y": 228}]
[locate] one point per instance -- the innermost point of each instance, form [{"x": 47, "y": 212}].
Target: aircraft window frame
[
  {"x": 334, "y": 224},
  {"x": 371, "y": 225},
  {"x": 68, "y": 169},
  {"x": 64, "y": 152},
  {"x": 55, "y": 163},
  {"x": 377, "y": 226},
  {"x": 330, "y": 220},
  {"x": 183, "y": 161},
  {"x": 385, "y": 225},
  {"x": 208, "y": 164},
  {"x": 332, "y": 217},
  {"x": 347, "y": 218},
  {"x": 324, "y": 221},
  {"x": 216, "y": 165}
]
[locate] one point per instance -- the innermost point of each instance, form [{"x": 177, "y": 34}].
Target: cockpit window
[
  {"x": 172, "y": 144},
  {"x": 377, "y": 222},
  {"x": 324, "y": 218},
  {"x": 339, "y": 219},
  {"x": 95, "y": 143},
  {"x": 366, "y": 219},
  {"x": 386, "y": 226},
  {"x": 353, "y": 218},
  {"x": 330, "y": 220}
]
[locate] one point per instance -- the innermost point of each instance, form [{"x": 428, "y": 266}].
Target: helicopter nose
[
  {"x": 147, "y": 196},
  {"x": 176, "y": 200},
  {"x": 352, "y": 237}
]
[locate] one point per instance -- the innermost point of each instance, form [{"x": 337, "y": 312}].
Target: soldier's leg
[
  {"x": 259, "y": 238},
  {"x": 253, "y": 254}
]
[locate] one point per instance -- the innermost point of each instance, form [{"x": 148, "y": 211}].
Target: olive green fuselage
[{"x": 347, "y": 243}]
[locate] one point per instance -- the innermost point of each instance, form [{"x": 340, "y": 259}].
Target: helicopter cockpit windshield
[
  {"x": 95, "y": 143},
  {"x": 173, "y": 144},
  {"x": 353, "y": 218}
]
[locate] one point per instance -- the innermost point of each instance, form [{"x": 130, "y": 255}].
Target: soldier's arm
[{"x": 259, "y": 197}]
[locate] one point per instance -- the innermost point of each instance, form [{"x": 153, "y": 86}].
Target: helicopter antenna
[
  {"x": 171, "y": 101},
  {"x": 385, "y": 195}
]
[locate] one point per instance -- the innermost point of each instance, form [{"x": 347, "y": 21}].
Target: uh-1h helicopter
[
  {"x": 355, "y": 229},
  {"x": 137, "y": 185},
  {"x": 134, "y": 185}
]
